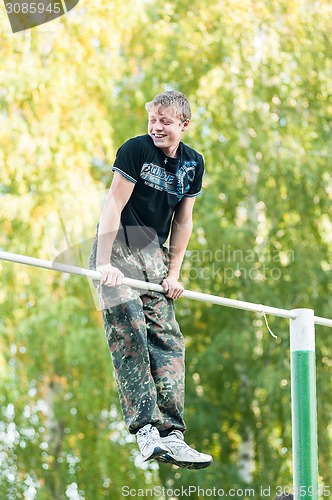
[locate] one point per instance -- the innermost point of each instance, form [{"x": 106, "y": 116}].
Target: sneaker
[
  {"x": 180, "y": 454},
  {"x": 149, "y": 442}
]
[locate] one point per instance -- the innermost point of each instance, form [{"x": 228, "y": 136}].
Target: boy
[{"x": 151, "y": 198}]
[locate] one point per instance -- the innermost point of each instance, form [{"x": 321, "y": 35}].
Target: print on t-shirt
[{"x": 157, "y": 177}]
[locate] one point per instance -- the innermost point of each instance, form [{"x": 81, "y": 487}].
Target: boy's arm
[
  {"x": 180, "y": 234},
  {"x": 118, "y": 196}
]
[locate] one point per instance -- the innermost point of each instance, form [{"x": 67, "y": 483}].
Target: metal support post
[{"x": 304, "y": 405}]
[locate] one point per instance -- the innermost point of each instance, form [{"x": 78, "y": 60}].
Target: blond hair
[{"x": 174, "y": 99}]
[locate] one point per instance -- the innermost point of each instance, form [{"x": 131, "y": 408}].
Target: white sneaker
[
  {"x": 180, "y": 454},
  {"x": 149, "y": 442}
]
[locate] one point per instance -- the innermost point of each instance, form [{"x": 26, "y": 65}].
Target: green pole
[{"x": 304, "y": 405}]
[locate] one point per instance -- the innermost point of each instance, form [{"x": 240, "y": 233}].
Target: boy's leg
[
  {"x": 166, "y": 349},
  {"x": 126, "y": 335}
]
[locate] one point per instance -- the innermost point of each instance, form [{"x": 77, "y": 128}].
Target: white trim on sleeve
[{"x": 127, "y": 176}]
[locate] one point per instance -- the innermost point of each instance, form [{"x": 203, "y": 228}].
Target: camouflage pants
[{"x": 145, "y": 342}]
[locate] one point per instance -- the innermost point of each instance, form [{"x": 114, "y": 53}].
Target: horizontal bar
[
  {"x": 323, "y": 321},
  {"x": 213, "y": 299}
]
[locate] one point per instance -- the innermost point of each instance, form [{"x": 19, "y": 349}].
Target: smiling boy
[{"x": 151, "y": 198}]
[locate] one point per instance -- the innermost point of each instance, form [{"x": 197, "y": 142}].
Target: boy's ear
[{"x": 185, "y": 125}]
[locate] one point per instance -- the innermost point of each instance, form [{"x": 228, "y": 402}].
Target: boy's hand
[
  {"x": 111, "y": 276},
  {"x": 173, "y": 288}
]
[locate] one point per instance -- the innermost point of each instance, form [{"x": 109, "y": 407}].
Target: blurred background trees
[{"x": 258, "y": 76}]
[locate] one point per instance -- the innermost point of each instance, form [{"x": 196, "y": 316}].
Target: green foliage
[{"x": 258, "y": 77}]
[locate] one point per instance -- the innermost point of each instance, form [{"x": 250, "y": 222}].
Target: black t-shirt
[{"x": 161, "y": 183}]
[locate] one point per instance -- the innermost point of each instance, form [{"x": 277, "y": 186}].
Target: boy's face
[{"x": 166, "y": 129}]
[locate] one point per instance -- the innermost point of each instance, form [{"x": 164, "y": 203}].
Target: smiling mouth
[{"x": 159, "y": 136}]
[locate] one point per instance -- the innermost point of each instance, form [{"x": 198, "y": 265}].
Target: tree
[{"x": 257, "y": 75}]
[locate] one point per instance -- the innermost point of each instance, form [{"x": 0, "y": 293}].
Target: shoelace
[
  {"x": 149, "y": 437},
  {"x": 182, "y": 445}
]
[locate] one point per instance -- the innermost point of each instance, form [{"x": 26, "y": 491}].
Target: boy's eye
[{"x": 164, "y": 122}]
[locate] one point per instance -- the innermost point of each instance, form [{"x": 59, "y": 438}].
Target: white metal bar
[
  {"x": 238, "y": 304},
  {"x": 214, "y": 299},
  {"x": 323, "y": 321}
]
